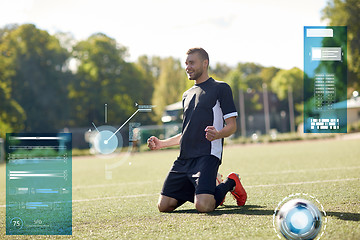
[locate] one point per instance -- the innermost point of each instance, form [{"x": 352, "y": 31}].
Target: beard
[{"x": 196, "y": 75}]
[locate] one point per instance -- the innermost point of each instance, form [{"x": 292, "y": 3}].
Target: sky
[{"x": 267, "y": 32}]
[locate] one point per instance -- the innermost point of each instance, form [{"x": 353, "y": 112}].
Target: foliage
[
  {"x": 354, "y": 127},
  {"x": 170, "y": 85},
  {"x": 347, "y": 13},
  {"x": 288, "y": 79},
  {"x": 267, "y": 74},
  {"x": 220, "y": 70},
  {"x": 32, "y": 76},
  {"x": 12, "y": 115},
  {"x": 249, "y": 77},
  {"x": 41, "y": 89},
  {"x": 104, "y": 77}
]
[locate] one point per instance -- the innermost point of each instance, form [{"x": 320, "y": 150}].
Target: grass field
[{"x": 125, "y": 206}]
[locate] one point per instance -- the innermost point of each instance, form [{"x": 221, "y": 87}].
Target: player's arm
[
  {"x": 230, "y": 128},
  {"x": 154, "y": 143}
]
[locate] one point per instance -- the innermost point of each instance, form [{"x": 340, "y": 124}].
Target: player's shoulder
[{"x": 221, "y": 84}]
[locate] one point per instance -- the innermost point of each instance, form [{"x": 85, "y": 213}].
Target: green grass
[{"x": 126, "y": 205}]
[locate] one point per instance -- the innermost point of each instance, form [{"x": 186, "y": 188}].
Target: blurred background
[{"x": 62, "y": 61}]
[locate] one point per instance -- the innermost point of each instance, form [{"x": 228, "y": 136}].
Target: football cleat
[{"x": 238, "y": 192}]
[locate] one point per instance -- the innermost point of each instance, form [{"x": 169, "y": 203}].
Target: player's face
[{"x": 194, "y": 66}]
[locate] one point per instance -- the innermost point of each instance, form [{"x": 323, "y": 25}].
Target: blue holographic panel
[{"x": 38, "y": 184}]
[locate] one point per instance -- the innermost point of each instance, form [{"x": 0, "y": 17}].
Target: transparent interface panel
[
  {"x": 38, "y": 184},
  {"x": 325, "y": 79}
]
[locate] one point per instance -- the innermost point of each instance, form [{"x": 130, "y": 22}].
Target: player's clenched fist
[
  {"x": 153, "y": 143},
  {"x": 211, "y": 133}
]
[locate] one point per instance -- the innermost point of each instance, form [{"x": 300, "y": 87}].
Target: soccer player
[{"x": 193, "y": 175}]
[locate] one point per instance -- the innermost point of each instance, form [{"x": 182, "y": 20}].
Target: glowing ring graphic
[{"x": 103, "y": 144}]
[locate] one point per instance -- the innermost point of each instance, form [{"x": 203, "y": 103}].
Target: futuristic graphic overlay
[
  {"x": 325, "y": 79},
  {"x": 299, "y": 216},
  {"x": 108, "y": 139},
  {"x": 39, "y": 184}
]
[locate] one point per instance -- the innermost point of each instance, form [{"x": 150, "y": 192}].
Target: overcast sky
[{"x": 268, "y": 32}]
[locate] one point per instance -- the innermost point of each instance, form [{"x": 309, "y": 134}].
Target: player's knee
[
  {"x": 164, "y": 207},
  {"x": 204, "y": 207},
  {"x": 166, "y": 204}
]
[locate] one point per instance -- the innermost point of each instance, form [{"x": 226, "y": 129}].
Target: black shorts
[{"x": 189, "y": 177}]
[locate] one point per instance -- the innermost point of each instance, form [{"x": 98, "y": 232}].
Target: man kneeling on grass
[{"x": 193, "y": 175}]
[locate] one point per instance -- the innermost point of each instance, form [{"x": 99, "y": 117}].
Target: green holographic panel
[{"x": 38, "y": 184}]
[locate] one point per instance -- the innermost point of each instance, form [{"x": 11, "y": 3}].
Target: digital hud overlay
[
  {"x": 325, "y": 79},
  {"x": 38, "y": 184}
]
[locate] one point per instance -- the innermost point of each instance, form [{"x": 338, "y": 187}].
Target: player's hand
[
  {"x": 154, "y": 143},
  {"x": 211, "y": 133}
]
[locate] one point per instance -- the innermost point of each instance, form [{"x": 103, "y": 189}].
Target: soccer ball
[{"x": 299, "y": 219}]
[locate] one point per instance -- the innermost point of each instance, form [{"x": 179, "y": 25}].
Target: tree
[
  {"x": 267, "y": 74},
  {"x": 34, "y": 77},
  {"x": 347, "y": 13},
  {"x": 249, "y": 68},
  {"x": 288, "y": 84},
  {"x": 12, "y": 115},
  {"x": 171, "y": 84},
  {"x": 220, "y": 70},
  {"x": 286, "y": 79},
  {"x": 236, "y": 81},
  {"x": 103, "y": 76}
]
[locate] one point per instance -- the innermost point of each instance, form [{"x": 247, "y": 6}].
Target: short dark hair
[{"x": 203, "y": 54}]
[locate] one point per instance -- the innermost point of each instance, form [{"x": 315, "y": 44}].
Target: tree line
[{"x": 48, "y": 82}]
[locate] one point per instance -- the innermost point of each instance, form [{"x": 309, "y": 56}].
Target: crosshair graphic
[
  {"x": 108, "y": 139},
  {"x": 101, "y": 142}
]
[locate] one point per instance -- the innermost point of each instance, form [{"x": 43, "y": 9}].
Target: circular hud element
[
  {"x": 105, "y": 142},
  {"x": 298, "y": 219}
]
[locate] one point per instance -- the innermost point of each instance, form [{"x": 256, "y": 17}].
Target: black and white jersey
[{"x": 206, "y": 104}]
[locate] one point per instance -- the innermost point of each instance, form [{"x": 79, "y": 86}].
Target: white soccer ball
[{"x": 299, "y": 219}]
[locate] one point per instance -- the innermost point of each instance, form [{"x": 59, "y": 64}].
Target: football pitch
[{"x": 124, "y": 207}]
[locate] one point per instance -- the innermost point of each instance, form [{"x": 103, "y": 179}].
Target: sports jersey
[{"x": 206, "y": 104}]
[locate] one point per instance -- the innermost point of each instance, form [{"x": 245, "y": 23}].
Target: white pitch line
[
  {"x": 254, "y": 186},
  {"x": 251, "y": 186},
  {"x": 263, "y": 173},
  {"x": 300, "y": 183},
  {"x": 108, "y": 198},
  {"x": 303, "y": 170},
  {"x": 114, "y": 184},
  {"x": 116, "y": 197}
]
